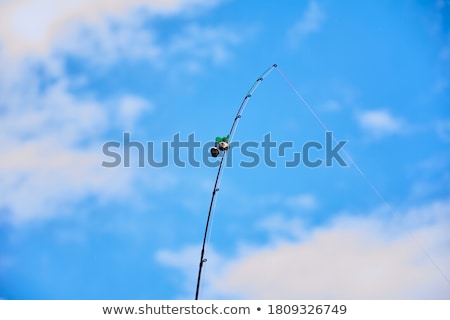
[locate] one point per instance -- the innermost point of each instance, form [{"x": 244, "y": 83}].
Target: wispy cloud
[
  {"x": 302, "y": 201},
  {"x": 280, "y": 228},
  {"x": 198, "y": 43},
  {"x": 380, "y": 123},
  {"x": 310, "y": 22},
  {"x": 105, "y": 32},
  {"x": 35, "y": 26},
  {"x": 131, "y": 108}
]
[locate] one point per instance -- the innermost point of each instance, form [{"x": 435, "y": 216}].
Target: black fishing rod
[{"x": 219, "y": 170}]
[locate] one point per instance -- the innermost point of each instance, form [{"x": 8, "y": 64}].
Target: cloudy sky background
[{"x": 77, "y": 74}]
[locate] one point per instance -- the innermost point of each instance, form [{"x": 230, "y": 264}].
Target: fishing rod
[{"x": 222, "y": 144}]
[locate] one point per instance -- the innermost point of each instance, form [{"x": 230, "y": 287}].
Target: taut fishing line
[
  {"x": 218, "y": 179},
  {"x": 372, "y": 186}
]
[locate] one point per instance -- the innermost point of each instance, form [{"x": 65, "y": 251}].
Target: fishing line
[
  {"x": 372, "y": 186},
  {"x": 334, "y": 139}
]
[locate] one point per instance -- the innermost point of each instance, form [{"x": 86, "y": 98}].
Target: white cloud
[
  {"x": 352, "y": 258},
  {"x": 310, "y": 22},
  {"x": 104, "y": 32},
  {"x": 33, "y": 26},
  {"x": 379, "y": 123}
]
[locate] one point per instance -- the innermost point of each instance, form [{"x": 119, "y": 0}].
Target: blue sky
[{"x": 78, "y": 74}]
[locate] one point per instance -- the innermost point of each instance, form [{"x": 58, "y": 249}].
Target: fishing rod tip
[{"x": 274, "y": 65}]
